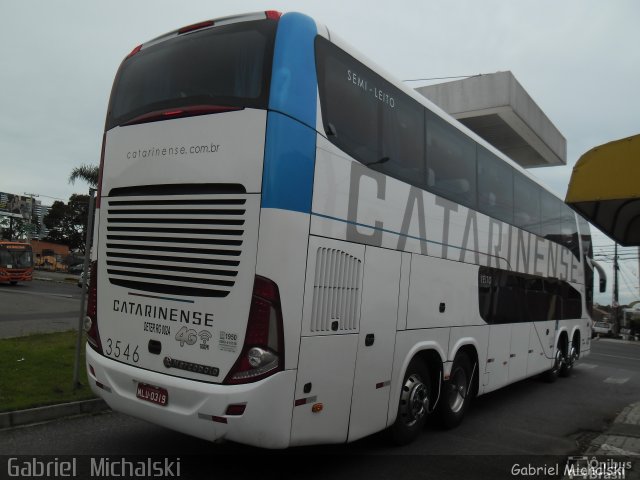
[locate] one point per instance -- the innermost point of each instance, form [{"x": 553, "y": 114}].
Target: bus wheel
[
  {"x": 456, "y": 393},
  {"x": 567, "y": 365},
  {"x": 551, "y": 375},
  {"x": 414, "y": 404}
]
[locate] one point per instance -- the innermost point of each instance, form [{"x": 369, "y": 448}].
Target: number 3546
[{"x": 120, "y": 349}]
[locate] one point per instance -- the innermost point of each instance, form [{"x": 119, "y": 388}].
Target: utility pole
[
  {"x": 87, "y": 254},
  {"x": 616, "y": 305}
]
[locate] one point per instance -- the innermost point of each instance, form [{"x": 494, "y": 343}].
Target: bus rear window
[{"x": 229, "y": 65}]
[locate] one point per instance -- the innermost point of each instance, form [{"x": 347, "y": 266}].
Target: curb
[
  {"x": 622, "y": 437},
  {"x": 51, "y": 412}
]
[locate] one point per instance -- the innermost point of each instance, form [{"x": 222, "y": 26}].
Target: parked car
[
  {"x": 604, "y": 329},
  {"x": 77, "y": 268}
]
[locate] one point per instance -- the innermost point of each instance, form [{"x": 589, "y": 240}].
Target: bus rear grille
[
  {"x": 336, "y": 291},
  {"x": 177, "y": 241}
]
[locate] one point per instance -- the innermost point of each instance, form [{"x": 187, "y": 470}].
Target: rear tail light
[
  {"x": 263, "y": 350},
  {"x": 91, "y": 320}
]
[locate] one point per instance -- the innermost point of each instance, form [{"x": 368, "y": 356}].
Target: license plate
[{"x": 153, "y": 394}]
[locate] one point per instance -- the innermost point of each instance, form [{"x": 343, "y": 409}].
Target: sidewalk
[
  {"x": 32, "y": 416},
  {"x": 618, "y": 447},
  {"x": 61, "y": 277},
  {"x": 622, "y": 437}
]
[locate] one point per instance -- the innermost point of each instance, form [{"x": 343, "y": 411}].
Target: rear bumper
[{"x": 266, "y": 421}]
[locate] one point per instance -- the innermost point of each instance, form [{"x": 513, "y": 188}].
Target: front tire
[
  {"x": 413, "y": 405},
  {"x": 456, "y": 394}
]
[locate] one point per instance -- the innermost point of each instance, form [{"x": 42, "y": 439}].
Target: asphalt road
[
  {"x": 529, "y": 418},
  {"x": 38, "y": 307}
]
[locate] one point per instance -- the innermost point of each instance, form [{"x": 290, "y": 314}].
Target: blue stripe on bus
[
  {"x": 293, "y": 77},
  {"x": 289, "y": 159}
]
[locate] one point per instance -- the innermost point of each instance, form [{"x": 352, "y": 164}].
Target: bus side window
[
  {"x": 526, "y": 204},
  {"x": 495, "y": 186},
  {"x": 452, "y": 157}
]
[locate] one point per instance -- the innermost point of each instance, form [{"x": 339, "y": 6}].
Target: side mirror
[{"x": 603, "y": 284}]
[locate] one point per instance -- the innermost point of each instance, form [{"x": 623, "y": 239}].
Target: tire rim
[
  {"x": 414, "y": 401},
  {"x": 458, "y": 387},
  {"x": 558, "y": 363},
  {"x": 573, "y": 356}
]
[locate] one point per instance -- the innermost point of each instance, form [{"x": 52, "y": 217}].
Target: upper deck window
[
  {"x": 229, "y": 65},
  {"x": 369, "y": 118}
]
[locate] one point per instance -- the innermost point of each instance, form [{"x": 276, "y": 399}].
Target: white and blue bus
[{"x": 294, "y": 248}]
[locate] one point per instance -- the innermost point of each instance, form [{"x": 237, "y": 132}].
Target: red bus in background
[{"x": 16, "y": 262}]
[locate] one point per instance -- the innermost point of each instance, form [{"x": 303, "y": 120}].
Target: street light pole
[
  {"x": 83, "y": 296},
  {"x": 616, "y": 305}
]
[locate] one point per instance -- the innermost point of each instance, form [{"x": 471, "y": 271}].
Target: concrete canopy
[{"x": 498, "y": 109}]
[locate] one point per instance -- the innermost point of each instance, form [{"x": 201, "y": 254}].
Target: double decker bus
[
  {"x": 16, "y": 262},
  {"x": 294, "y": 248}
]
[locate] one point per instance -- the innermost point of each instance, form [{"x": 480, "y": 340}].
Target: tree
[
  {"x": 67, "y": 223},
  {"x": 18, "y": 229},
  {"x": 88, "y": 173}
]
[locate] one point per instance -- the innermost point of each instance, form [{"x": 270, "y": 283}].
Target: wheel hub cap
[{"x": 414, "y": 401}]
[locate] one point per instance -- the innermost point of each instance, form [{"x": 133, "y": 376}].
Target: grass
[{"x": 37, "y": 370}]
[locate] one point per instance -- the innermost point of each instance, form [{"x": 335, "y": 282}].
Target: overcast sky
[{"x": 578, "y": 59}]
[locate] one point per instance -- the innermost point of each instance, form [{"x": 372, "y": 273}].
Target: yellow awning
[{"x": 605, "y": 189}]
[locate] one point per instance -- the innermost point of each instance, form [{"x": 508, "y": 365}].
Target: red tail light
[
  {"x": 91, "y": 320},
  {"x": 195, "y": 26},
  {"x": 134, "y": 51},
  {"x": 189, "y": 111},
  {"x": 273, "y": 14},
  {"x": 263, "y": 350}
]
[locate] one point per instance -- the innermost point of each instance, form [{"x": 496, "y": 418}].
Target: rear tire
[
  {"x": 551, "y": 375},
  {"x": 456, "y": 392},
  {"x": 413, "y": 405},
  {"x": 570, "y": 361}
]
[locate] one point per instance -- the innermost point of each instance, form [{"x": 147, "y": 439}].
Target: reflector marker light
[
  {"x": 213, "y": 418},
  {"x": 383, "y": 384},
  {"x": 304, "y": 401},
  {"x": 236, "y": 410},
  {"x": 103, "y": 387}
]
